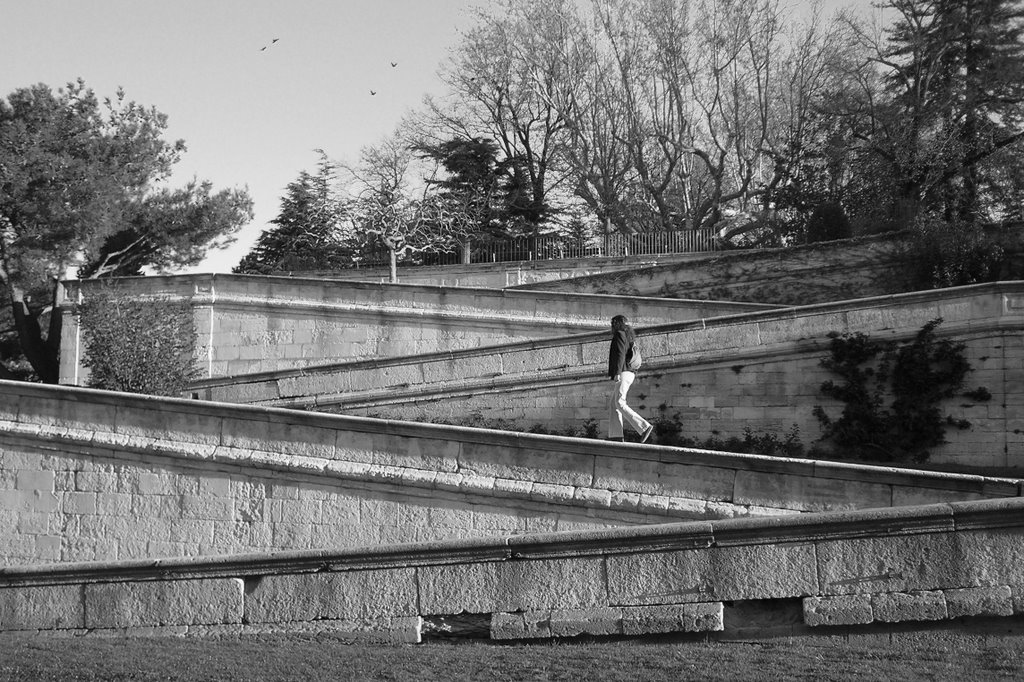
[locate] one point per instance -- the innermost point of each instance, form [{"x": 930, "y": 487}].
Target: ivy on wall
[
  {"x": 138, "y": 346},
  {"x": 892, "y": 394}
]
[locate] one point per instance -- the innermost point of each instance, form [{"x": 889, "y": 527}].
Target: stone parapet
[
  {"x": 94, "y": 475},
  {"x": 670, "y": 578},
  {"x": 813, "y": 273},
  {"x": 248, "y": 323},
  {"x": 758, "y": 371}
]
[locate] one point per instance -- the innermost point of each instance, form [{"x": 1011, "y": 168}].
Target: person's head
[{"x": 619, "y": 323}]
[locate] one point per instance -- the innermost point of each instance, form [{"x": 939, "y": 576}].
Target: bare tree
[
  {"x": 502, "y": 77},
  {"x": 391, "y": 206}
]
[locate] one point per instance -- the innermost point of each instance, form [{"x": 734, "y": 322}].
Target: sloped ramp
[{"x": 839, "y": 574}]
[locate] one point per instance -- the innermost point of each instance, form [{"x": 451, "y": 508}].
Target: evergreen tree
[
  {"x": 472, "y": 183},
  {"x": 957, "y": 77},
  {"x": 82, "y": 178},
  {"x": 308, "y": 230}
]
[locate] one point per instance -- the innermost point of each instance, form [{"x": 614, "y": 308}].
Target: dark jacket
[{"x": 620, "y": 352}]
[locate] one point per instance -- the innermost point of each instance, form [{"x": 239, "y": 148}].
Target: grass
[{"x": 323, "y": 657}]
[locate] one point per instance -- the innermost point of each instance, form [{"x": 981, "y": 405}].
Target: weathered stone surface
[
  {"x": 765, "y": 571},
  {"x": 398, "y": 630},
  {"x": 702, "y": 617},
  {"x": 346, "y": 595},
  {"x": 164, "y": 602},
  {"x": 282, "y": 437},
  {"x": 512, "y": 586},
  {"x": 523, "y": 625},
  {"x": 979, "y": 601},
  {"x": 900, "y": 563},
  {"x": 894, "y": 607},
  {"x": 660, "y": 578},
  {"x": 991, "y": 557},
  {"x": 519, "y": 461},
  {"x": 850, "y": 609},
  {"x": 576, "y": 622},
  {"x": 808, "y": 493},
  {"x": 150, "y": 419},
  {"x": 674, "y": 479},
  {"x": 54, "y": 607}
]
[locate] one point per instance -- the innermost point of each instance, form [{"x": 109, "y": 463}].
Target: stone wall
[
  {"x": 837, "y": 574},
  {"x": 97, "y": 476},
  {"x": 814, "y": 273},
  {"x": 500, "y": 275},
  {"x": 720, "y": 376},
  {"x": 250, "y": 324}
]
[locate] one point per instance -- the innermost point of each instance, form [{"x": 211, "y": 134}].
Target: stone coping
[
  {"x": 777, "y": 316},
  {"x": 607, "y": 263},
  {"x": 802, "y": 529},
  {"x": 234, "y": 287},
  {"x": 289, "y": 420}
]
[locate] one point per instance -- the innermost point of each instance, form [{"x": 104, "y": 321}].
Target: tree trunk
[{"x": 394, "y": 266}]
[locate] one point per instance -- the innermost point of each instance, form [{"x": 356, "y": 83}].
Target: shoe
[{"x": 647, "y": 433}]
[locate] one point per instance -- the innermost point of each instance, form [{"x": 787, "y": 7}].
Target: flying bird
[
  {"x": 373, "y": 92},
  {"x": 394, "y": 64}
]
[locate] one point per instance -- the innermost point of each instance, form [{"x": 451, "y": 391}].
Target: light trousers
[{"x": 619, "y": 411}]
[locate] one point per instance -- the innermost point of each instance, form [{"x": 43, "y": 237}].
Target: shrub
[
  {"x": 828, "y": 222},
  {"x": 138, "y": 346},
  {"x": 917, "y": 376},
  {"x": 949, "y": 254}
]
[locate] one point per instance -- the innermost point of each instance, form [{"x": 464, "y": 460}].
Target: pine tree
[
  {"x": 308, "y": 230},
  {"x": 958, "y": 80}
]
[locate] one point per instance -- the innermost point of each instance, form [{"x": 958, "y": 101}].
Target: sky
[
  {"x": 250, "y": 110},
  {"x": 250, "y": 117}
]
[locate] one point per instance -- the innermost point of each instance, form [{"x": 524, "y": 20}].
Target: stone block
[
  {"x": 979, "y": 601},
  {"x": 808, "y": 493},
  {"x": 468, "y": 366},
  {"x": 701, "y": 617},
  {"x": 575, "y": 622},
  {"x": 215, "y": 486},
  {"x": 593, "y": 497},
  {"x": 79, "y": 503},
  {"x": 29, "y": 523},
  {"x": 672, "y": 479},
  {"x": 294, "y": 437},
  {"x": 113, "y": 504},
  {"x": 28, "y": 479},
  {"x": 908, "y": 496},
  {"x": 660, "y": 577},
  {"x": 343, "y": 595},
  {"x": 517, "y": 461},
  {"x": 51, "y": 607},
  {"x": 163, "y": 422},
  {"x": 849, "y": 609},
  {"x": 398, "y": 450},
  {"x": 166, "y": 602},
  {"x": 895, "y": 607},
  {"x": 508, "y": 586},
  {"x": 768, "y": 571},
  {"x": 990, "y": 557},
  {"x": 529, "y": 625},
  {"x": 59, "y": 412},
  {"x": 893, "y": 563},
  {"x": 551, "y": 493}
]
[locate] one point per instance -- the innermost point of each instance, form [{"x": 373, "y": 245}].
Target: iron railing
[{"x": 561, "y": 248}]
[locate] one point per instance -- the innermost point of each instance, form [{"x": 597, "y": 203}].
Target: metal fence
[{"x": 563, "y": 248}]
